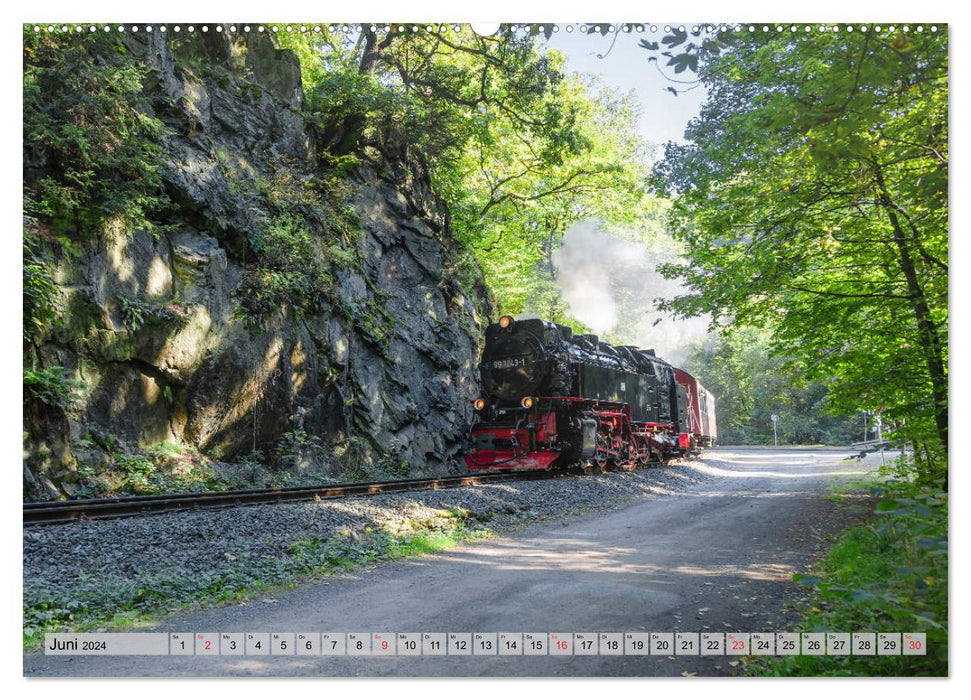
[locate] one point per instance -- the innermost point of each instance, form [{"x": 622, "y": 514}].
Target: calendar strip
[{"x": 370, "y": 644}]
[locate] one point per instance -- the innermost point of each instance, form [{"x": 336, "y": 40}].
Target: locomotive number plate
[{"x": 508, "y": 363}]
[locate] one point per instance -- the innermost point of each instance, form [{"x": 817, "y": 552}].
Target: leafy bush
[
  {"x": 93, "y": 148},
  {"x": 306, "y": 230},
  {"x": 138, "y": 472},
  {"x": 287, "y": 272},
  {"x": 345, "y": 104},
  {"x": 137, "y": 312},
  {"x": 395, "y": 466},
  {"x": 40, "y": 292},
  {"x": 52, "y": 387},
  {"x": 292, "y": 444},
  {"x": 158, "y": 469}
]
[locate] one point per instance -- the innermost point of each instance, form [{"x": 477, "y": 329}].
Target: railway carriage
[
  {"x": 551, "y": 398},
  {"x": 701, "y": 428}
]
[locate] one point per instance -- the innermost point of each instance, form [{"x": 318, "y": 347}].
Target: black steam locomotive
[{"x": 552, "y": 398}]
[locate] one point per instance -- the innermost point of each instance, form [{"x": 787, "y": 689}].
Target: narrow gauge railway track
[{"x": 52, "y": 512}]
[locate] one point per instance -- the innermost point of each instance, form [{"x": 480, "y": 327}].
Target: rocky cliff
[{"x": 159, "y": 331}]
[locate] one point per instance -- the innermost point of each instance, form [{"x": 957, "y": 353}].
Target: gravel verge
[{"x": 83, "y": 574}]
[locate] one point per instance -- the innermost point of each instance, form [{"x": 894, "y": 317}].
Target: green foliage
[
  {"x": 410, "y": 538},
  {"x": 928, "y": 463},
  {"x": 517, "y": 149},
  {"x": 376, "y": 323},
  {"x": 292, "y": 446},
  {"x": 888, "y": 576},
  {"x": 137, "y": 470},
  {"x": 394, "y": 466},
  {"x": 39, "y": 291},
  {"x": 345, "y": 96},
  {"x": 289, "y": 193},
  {"x": 52, "y": 386},
  {"x": 288, "y": 272},
  {"x": 295, "y": 440},
  {"x": 158, "y": 469},
  {"x": 137, "y": 312},
  {"x": 512, "y": 211},
  {"x": 91, "y": 144},
  {"x": 751, "y": 383},
  {"x": 813, "y": 198},
  {"x": 307, "y": 232}
]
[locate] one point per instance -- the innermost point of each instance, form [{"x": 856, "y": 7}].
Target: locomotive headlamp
[
  {"x": 505, "y": 321},
  {"x": 479, "y": 404},
  {"x": 527, "y": 402}
]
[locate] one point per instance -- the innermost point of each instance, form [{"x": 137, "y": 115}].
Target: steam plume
[{"x": 610, "y": 285}]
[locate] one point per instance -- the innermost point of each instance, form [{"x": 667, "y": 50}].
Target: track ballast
[{"x": 53, "y": 512}]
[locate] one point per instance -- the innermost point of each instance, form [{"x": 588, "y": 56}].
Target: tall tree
[
  {"x": 751, "y": 384},
  {"x": 813, "y": 193},
  {"x": 518, "y": 148}
]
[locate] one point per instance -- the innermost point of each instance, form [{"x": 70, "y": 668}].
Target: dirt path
[{"x": 718, "y": 557}]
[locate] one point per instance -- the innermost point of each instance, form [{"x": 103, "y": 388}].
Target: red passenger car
[{"x": 702, "y": 430}]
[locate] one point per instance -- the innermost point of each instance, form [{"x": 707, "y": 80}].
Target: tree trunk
[
  {"x": 373, "y": 52},
  {"x": 929, "y": 338}
]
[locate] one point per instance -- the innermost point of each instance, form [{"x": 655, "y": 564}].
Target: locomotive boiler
[{"x": 552, "y": 398}]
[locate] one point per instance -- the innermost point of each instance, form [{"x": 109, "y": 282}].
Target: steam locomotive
[{"x": 551, "y": 399}]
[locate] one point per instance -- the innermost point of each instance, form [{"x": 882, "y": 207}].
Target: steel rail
[{"x": 52, "y": 512}]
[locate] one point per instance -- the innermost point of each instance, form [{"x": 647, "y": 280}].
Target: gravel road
[{"x": 712, "y": 548}]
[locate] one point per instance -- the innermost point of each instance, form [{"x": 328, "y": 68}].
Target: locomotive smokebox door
[{"x": 588, "y": 433}]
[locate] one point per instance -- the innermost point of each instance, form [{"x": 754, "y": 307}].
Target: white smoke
[{"x": 611, "y": 283}]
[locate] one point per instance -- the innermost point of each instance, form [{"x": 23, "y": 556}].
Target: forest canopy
[{"x": 812, "y": 197}]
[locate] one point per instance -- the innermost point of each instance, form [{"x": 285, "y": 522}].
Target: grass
[
  {"x": 889, "y": 575},
  {"x": 114, "y": 602}
]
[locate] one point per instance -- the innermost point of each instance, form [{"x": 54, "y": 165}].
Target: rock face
[{"x": 188, "y": 368}]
